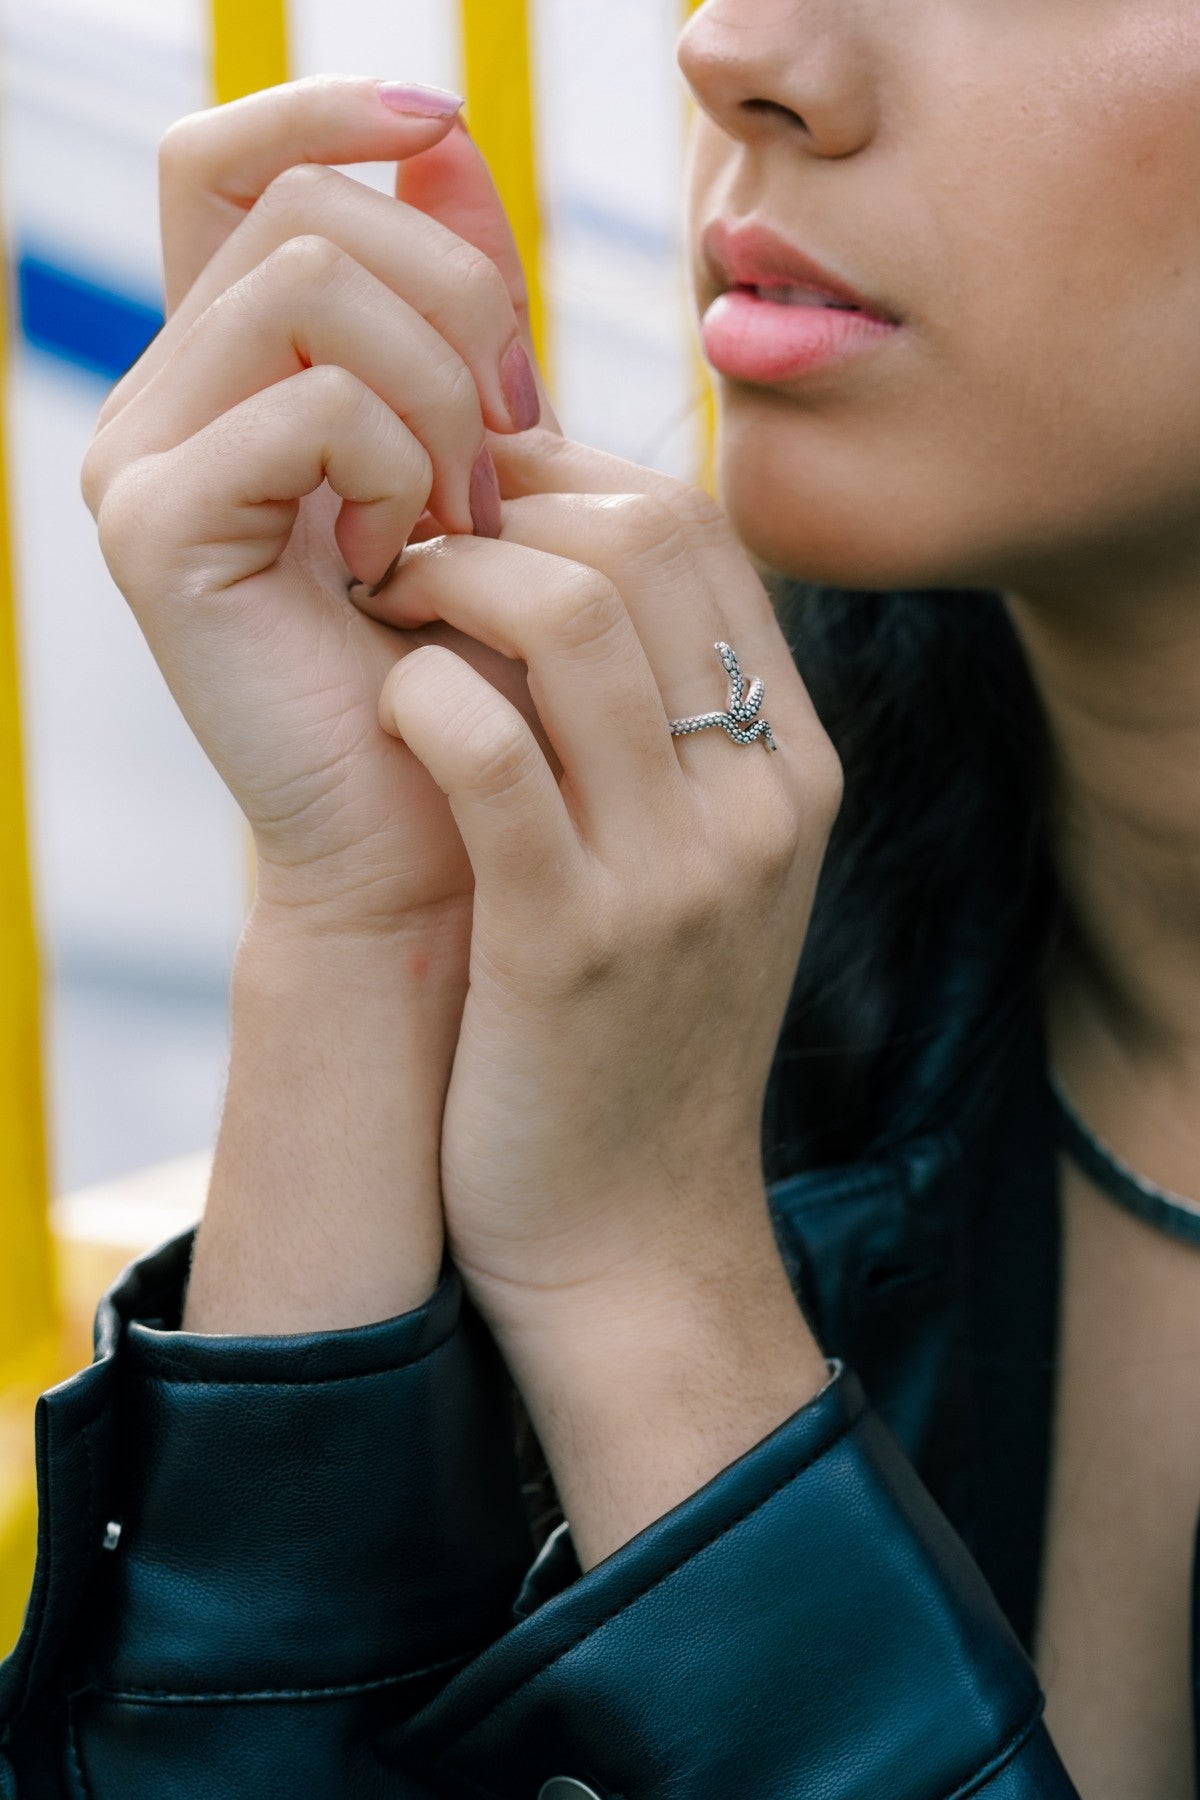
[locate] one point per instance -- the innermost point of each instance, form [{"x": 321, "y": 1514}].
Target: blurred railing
[
  {"x": 56, "y": 1258},
  {"x": 50, "y": 1280},
  {"x": 28, "y": 1310}
]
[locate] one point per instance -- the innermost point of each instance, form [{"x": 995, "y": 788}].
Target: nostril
[{"x": 773, "y": 109}]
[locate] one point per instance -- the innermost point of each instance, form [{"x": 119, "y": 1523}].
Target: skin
[
  {"x": 512, "y": 980},
  {"x": 1016, "y": 181}
]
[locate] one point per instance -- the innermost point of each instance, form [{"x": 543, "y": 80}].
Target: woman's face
[{"x": 1014, "y": 185}]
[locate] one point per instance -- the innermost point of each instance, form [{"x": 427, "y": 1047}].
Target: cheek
[
  {"x": 1047, "y": 410},
  {"x": 1071, "y": 229},
  {"x": 1083, "y": 195}
]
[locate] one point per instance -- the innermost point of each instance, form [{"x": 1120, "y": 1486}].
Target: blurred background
[
  {"x": 116, "y": 942},
  {"x": 140, "y": 868}
]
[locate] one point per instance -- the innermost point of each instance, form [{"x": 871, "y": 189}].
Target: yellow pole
[
  {"x": 498, "y": 75},
  {"x": 28, "y": 1309},
  {"x": 248, "y": 47},
  {"x": 26, "y": 1281},
  {"x": 248, "y": 50},
  {"x": 706, "y": 451}
]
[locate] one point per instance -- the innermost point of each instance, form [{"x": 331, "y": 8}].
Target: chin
[{"x": 810, "y": 506}]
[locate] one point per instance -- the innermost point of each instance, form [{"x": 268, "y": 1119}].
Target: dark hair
[{"x": 941, "y": 837}]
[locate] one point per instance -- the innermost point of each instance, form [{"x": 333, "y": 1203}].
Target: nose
[{"x": 798, "y": 69}]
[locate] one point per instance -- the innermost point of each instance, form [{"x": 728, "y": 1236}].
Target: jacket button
[{"x": 563, "y": 1788}]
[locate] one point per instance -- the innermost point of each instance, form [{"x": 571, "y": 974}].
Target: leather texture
[{"x": 324, "y": 1585}]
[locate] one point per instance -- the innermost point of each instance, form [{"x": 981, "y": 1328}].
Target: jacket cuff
[
  {"x": 812, "y": 1598},
  {"x": 252, "y": 1515}
]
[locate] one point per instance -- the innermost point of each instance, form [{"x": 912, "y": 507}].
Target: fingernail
[
  {"x": 420, "y": 102},
  {"x": 378, "y": 586},
  {"x": 387, "y": 574},
  {"x": 485, "y": 497},
  {"x": 519, "y": 387}
]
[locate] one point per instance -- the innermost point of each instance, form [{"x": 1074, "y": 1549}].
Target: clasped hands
[{"x": 472, "y": 748}]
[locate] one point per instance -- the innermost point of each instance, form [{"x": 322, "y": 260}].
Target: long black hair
[{"x": 943, "y": 830}]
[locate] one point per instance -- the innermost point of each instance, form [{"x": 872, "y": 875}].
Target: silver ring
[{"x": 737, "y": 721}]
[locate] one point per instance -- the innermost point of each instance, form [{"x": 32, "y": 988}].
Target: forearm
[
  {"x": 324, "y": 1210},
  {"x": 642, "y": 1394}
]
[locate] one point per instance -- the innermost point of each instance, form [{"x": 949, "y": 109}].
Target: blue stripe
[{"x": 85, "y": 323}]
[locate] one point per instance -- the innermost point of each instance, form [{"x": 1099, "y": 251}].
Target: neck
[{"x": 1118, "y": 674}]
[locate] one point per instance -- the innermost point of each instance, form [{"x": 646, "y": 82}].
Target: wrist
[
  {"x": 330, "y": 950},
  {"x": 325, "y": 1206},
  {"x": 642, "y": 1393}
]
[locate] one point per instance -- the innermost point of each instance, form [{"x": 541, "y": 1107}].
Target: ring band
[{"x": 739, "y": 721}]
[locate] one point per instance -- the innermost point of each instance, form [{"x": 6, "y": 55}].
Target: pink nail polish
[
  {"x": 485, "y": 497},
  {"x": 519, "y": 387},
  {"x": 420, "y": 102}
]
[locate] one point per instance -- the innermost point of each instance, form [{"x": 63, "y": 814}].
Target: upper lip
[{"x": 748, "y": 253}]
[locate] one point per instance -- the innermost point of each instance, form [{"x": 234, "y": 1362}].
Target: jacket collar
[{"x": 931, "y": 1263}]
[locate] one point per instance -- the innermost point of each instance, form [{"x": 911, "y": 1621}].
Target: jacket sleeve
[
  {"x": 808, "y": 1626},
  {"x": 316, "y": 1594},
  {"x": 255, "y": 1555}
]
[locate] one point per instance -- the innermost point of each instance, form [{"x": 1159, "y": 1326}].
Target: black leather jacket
[{"x": 322, "y": 1585}]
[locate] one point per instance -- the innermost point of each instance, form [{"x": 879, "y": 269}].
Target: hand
[
  {"x": 640, "y": 904},
  {"x": 324, "y": 378},
  {"x": 329, "y": 364}
]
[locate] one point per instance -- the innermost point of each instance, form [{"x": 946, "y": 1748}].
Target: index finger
[
  {"x": 542, "y": 463},
  {"x": 215, "y": 164}
]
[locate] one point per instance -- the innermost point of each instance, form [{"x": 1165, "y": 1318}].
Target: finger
[
  {"x": 453, "y": 286},
  {"x": 682, "y": 602},
  {"x": 544, "y": 462},
  {"x": 220, "y": 507},
  {"x": 215, "y": 164},
  {"x": 310, "y": 304},
  {"x": 484, "y": 757},
  {"x": 451, "y": 182},
  {"x": 594, "y": 691}
]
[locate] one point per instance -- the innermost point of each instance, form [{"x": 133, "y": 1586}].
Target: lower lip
[{"x": 750, "y": 339}]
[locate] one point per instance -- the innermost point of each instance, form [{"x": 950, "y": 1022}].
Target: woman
[{"x": 537, "y": 860}]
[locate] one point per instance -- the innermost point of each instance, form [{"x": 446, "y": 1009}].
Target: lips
[
  {"x": 749, "y": 255},
  {"x": 778, "y": 316}
]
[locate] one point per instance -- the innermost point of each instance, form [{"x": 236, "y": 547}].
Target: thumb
[{"x": 452, "y": 183}]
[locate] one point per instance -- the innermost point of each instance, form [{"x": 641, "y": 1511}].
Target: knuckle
[
  {"x": 121, "y": 523},
  {"x": 180, "y": 146},
  {"x": 414, "y": 463},
  {"x": 652, "y": 917},
  {"x": 653, "y": 527},
  {"x": 94, "y": 472},
  {"x": 294, "y": 190},
  {"x": 776, "y": 833},
  {"x": 306, "y": 261},
  {"x": 333, "y": 393},
  {"x": 659, "y": 528},
  {"x": 698, "y": 512},
  {"x": 586, "y": 609},
  {"x": 596, "y": 948},
  {"x": 824, "y": 781},
  {"x": 458, "y": 394},
  {"x": 699, "y": 902},
  {"x": 477, "y": 276},
  {"x": 690, "y": 920},
  {"x": 498, "y": 749}
]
